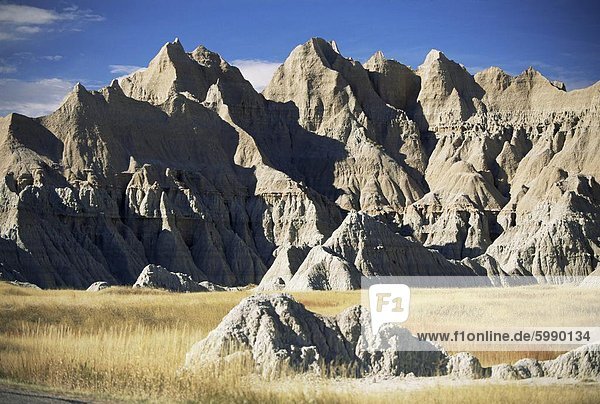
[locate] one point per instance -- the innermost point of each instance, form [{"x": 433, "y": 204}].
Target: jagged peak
[
  {"x": 206, "y": 57},
  {"x": 175, "y": 44},
  {"x": 531, "y": 74},
  {"x": 318, "y": 41},
  {"x": 531, "y": 71},
  {"x": 113, "y": 88},
  {"x": 435, "y": 55},
  {"x": 323, "y": 49},
  {"x": 78, "y": 88},
  {"x": 495, "y": 76},
  {"x": 323, "y": 45},
  {"x": 114, "y": 85},
  {"x": 201, "y": 49},
  {"x": 492, "y": 71},
  {"x": 171, "y": 50},
  {"x": 12, "y": 117},
  {"x": 378, "y": 58}
]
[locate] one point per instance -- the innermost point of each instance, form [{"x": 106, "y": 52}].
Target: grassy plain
[{"x": 121, "y": 344}]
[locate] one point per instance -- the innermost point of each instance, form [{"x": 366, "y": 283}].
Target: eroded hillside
[{"x": 336, "y": 170}]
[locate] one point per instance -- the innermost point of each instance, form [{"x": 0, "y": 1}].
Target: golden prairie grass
[{"x": 125, "y": 344}]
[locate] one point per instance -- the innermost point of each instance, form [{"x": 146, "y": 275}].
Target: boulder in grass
[
  {"x": 98, "y": 286},
  {"x": 25, "y": 285},
  {"x": 158, "y": 277},
  {"x": 464, "y": 365}
]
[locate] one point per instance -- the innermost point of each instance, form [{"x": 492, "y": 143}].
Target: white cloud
[
  {"x": 7, "y": 69},
  {"x": 52, "y": 58},
  {"x": 124, "y": 69},
  {"x": 20, "y": 21},
  {"x": 75, "y": 13},
  {"x": 257, "y": 72},
  {"x": 32, "y": 98},
  {"x": 26, "y": 29},
  {"x": 19, "y": 14}
]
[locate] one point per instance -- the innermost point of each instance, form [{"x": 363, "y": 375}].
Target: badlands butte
[{"x": 337, "y": 169}]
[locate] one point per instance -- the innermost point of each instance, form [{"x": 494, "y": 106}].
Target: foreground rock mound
[{"x": 277, "y": 334}]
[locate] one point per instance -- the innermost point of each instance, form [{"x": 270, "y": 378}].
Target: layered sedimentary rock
[
  {"x": 109, "y": 183},
  {"x": 380, "y": 167},
  {"x": 276, "y": 334},
  {"x": 186, "y": 166},
  {"x": 365, "y": 246}
]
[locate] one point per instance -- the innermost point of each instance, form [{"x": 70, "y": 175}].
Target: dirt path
[{"x": 20, "y": 394}]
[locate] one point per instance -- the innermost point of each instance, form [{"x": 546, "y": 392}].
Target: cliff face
[{"x": 186, "y": 166}]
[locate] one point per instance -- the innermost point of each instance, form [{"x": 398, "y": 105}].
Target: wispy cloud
[
  {"x": 20, "y": 14},
  {"x": 12, "y": 63},
  {"x": 32, "y": 98},
  {"x": 52, "y": 58},
  {"x": 7, "y": 66},
  {"x": 25, "y": 29},
  {"x": 124, "y": 69},
  {"x": 18, "y": 22},
  {"x": 257, "y": 72},
  {"x": 7, "y": 69}
]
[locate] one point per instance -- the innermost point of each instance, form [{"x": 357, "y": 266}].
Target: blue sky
[{"x": 47, "y": 46}]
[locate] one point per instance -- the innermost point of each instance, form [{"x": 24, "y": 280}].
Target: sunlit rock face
[{"x": 336, "y": 170}]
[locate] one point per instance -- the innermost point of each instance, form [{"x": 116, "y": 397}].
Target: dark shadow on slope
[{"x": 29, "y": 133}]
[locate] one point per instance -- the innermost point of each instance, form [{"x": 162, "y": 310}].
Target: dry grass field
[{"x": 121, "y": 344}]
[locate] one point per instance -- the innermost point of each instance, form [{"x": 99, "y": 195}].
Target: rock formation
[
  {"x": 276, "y": 334},
  {"x": 98, "y": 286},
  {"x": 365, "y": 246},
  {"x": 580, "y": 363},
  {"x": 336, "y": 170},
  {"x": 157, "y": 277}
]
